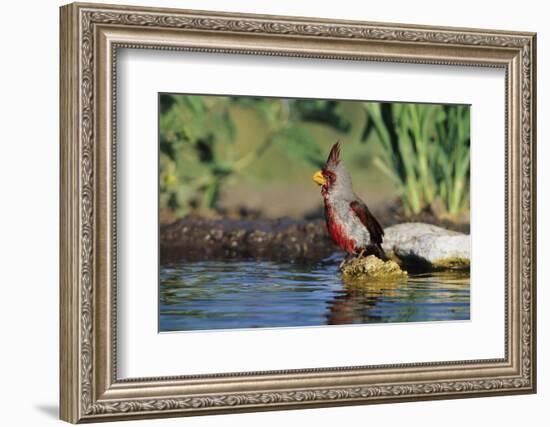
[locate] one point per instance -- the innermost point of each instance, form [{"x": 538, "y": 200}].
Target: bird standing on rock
[{"x": 350, "y": 224}]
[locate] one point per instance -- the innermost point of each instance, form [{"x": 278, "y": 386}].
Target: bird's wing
[{"x": 373, "y": 226}]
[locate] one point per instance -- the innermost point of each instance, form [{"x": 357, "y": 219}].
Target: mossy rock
[
  {"x": 451, "y": 263},
  {"x": 372, "y": 267},
  {"x": 426, "y": 247}
]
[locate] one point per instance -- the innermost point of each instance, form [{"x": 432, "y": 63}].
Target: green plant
[
  {"x": 197, "y": 144},
  {"x": 426, "y": 154},
  {"x": 192, "y": 162},
  {"x": 284, "y": 121}
]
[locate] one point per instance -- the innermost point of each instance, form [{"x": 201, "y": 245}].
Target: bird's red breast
[{"x": 337, "y": 231}]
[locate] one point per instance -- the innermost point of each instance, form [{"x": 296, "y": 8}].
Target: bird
[{"x": 350, "y": 224}]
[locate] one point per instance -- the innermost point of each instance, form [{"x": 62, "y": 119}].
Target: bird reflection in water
[{"x": 434, "y": 296}]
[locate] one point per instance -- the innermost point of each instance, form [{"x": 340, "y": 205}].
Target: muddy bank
[
  {"x": 197, "y": 239},
  {"x": 419, "y": 246}
]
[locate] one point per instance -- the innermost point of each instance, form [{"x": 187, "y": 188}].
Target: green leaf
[
  {"x": 212, "y": 193},
  {"x": 298, "y": 143}
]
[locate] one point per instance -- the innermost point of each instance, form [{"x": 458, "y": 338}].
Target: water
[{"x": 228, "y": 295}]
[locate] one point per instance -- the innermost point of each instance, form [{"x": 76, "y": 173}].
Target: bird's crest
[{"x": 334, "y": 155}]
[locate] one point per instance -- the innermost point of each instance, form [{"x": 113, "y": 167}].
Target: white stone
[{"x": 418, "y": 242}]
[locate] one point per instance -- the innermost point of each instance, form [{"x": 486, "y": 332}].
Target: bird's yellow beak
[{"x": 319, "y": 178}]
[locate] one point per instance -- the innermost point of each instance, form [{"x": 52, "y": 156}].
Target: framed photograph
[{"x": 266, "y": 212}]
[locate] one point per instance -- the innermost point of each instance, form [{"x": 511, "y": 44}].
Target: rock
[
  {"x": 425, "y": 246},
  {"x": 198, "y": 239},
  {"x": 372, "y": 267},
  {"x": 415, "y": 246}
]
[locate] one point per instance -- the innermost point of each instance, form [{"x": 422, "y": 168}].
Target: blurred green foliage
[
  {"x": 424, "y": 148},
  {"x": 197, "y": 138},
  {"x": 426, "y": 153},
  {"x": 191, "y": 128}
]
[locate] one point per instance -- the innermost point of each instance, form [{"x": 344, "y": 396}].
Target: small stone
[
  {"x": 426, "y": 247},
  {"x": 372, "y": 267}
]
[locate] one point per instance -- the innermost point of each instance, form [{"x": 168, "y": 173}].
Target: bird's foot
[{"x": 344, "y": 261}]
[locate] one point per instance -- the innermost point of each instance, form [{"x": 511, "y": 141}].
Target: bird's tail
[
  {"x": 376, "y": 250},
  {"x": 381, "y": 254}
]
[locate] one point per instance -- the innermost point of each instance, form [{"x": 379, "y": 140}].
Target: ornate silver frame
[{"x": 90, "y": 36}]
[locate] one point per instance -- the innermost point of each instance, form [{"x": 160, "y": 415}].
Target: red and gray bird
[{"x": 350, "y": 224}]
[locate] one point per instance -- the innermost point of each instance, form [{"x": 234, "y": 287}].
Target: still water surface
[{"x": 253, "y": 294}]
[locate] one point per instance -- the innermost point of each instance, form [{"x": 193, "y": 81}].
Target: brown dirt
[
  {"x": 196, "y": 239},
  {"x": 242, "y": 234}
]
